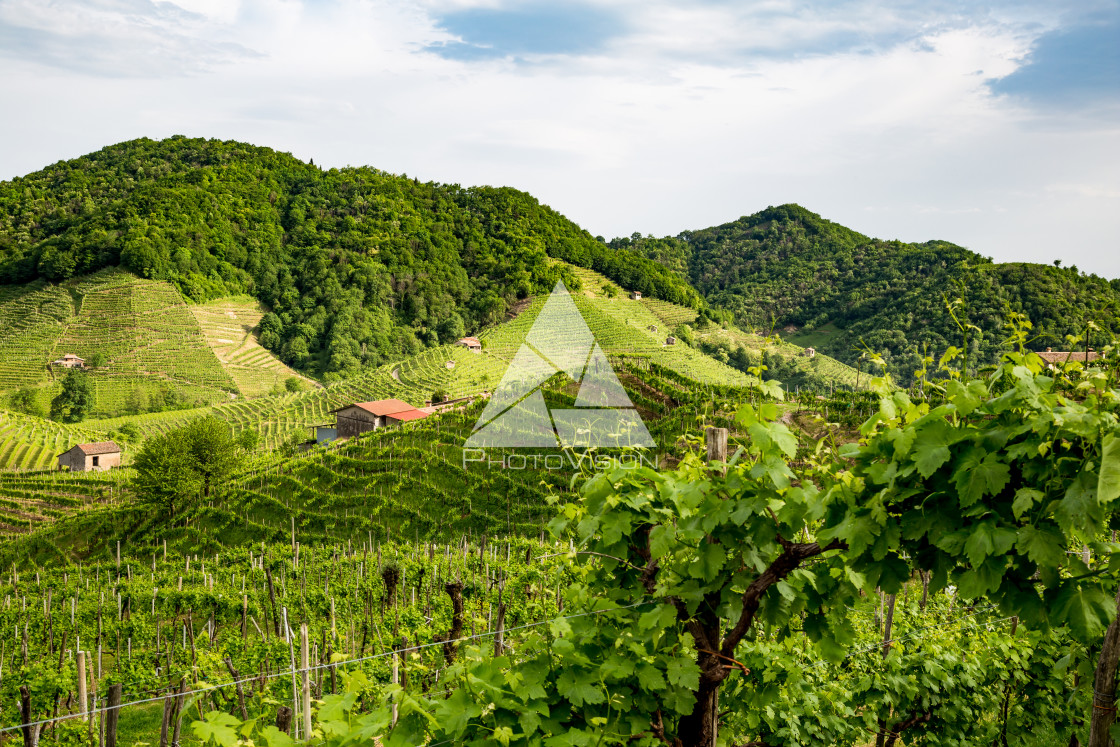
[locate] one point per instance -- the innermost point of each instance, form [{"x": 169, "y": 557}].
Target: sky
[{"x": 992, "y": 125}]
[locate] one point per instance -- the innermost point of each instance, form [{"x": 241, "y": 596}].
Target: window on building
[{"x": 95, "y": 461}]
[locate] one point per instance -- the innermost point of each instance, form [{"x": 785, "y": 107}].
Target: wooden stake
[
  {"x": 305, "y": 665},
  {"x": 83, "y": 699},
  {"x": 112, "y": 715}
]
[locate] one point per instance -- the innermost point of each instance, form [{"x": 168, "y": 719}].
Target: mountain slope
[
  {"x": 358, "y": 266},
  {"x": 789, "y": 270}
]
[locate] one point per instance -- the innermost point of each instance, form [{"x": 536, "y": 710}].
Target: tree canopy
[
  {"x": 844, "y": 291},
  {"x": 179, "y": 466},
  {"x": 75, "y": 400},
  {"x": 357, "y": 265}
]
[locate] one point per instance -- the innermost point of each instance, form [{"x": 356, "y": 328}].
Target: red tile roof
[
  {"x": 407, "y": 415},
  {"x": 470, "y": 342},
  {"x": 380, "y": 407}
]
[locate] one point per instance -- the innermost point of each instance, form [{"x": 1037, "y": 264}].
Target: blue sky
[{"x": 995, "y": 126}]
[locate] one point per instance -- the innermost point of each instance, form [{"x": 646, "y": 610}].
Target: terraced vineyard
[
  {"x": 152, "y": 311},
  {"x": 153, "y": 352},
  {"x": 30, "y": 443},
  {"x": 228, "y": 326},
  {"x": 142, "y": 326},
  {"x": 622, "y": 328},
  {"x": 669, "y": 313},
  {"x": 28, "y": 501},
  {"x": 822, "y": 365},
  {"x": 411, "y": 479},
  {"x": 32, "y": 317},
  {"x": 280, "y": 418}
]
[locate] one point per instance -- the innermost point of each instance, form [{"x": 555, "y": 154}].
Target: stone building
[{"x": 94, "y": 457}]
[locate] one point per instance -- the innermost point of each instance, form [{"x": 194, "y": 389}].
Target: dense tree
[
  {"x": 844, "y": 291},
  {"x": 164, "y": 476},
  {"x": 358, "y": 266},
  {"x": 76, "y": 399},
  {"x": 26, "y": 400},
  {"x": 174, "y": 468}
]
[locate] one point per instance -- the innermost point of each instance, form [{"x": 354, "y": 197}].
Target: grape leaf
[{"x": 1108, "y": 482}]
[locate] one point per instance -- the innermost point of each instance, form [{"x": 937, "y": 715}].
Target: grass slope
[{"x": 229, "y": 327}]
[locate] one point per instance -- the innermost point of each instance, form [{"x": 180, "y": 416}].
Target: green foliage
[
  {"x": 691, "y": 566},
  {"x": 175, "y": 467},
  {"x": 26, "y": 400},
  {"x": 294, "y": 384},
  {"x": 358, "y": 266},
  {"x": 788, "y": 265},
  {"x": 683, "y": 333},
  {"x": 127, "y": 432},
  {"x": 76, "y": 399}
]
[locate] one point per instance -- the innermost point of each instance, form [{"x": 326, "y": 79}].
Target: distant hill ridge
[
  {"x": 786, "y": 267},
  {"x": 360, "y": 267}
]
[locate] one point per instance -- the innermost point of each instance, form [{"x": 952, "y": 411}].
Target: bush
[
  {"x": 26, "y": 400},
  {"x": 76, "y": 400}
]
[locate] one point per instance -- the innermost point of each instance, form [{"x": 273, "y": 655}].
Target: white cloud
[{"x": 877, "y": 117}]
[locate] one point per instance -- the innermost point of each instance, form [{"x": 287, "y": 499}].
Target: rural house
[
  {"x": 809, "y": 352},
  {"x": 670, "y": 340},
  {"x": 70, "y": 361},
  {"x": 368, "y": 416},
  {"x": 471, "y": 343},
  {"x": 1055, "y": 358},
  {"x": 635, "y": 295},
  {"x": 94, "y": 457}
]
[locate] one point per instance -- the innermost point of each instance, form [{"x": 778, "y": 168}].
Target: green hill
[
  {"x": 788, "y": 270},
  {"x": 359, "y": 267}
]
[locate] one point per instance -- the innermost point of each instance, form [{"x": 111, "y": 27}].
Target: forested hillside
[
  {"x": 787, "y": 266},
  {"x": 358, "y": 266}
]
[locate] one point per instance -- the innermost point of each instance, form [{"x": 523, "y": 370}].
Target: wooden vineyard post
[
  {"x": 717, "y": 445},
  {"x": 305, "y": 666},
  {"x": 395, "y": 680},
  {"x": 499, "y": 639},
  {"x": 31, "y": 730},
  {"x": 112, "y": 714},
  {"x": 83, "y": 696}
]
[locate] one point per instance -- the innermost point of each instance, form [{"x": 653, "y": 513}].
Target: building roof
[
  {"x": 98, "y": 447},
  {"x": 406, "y": 415},
  {"x": 380, "y": 407},
  {"x": 1060, "y": 356},
  {"x": 470, "y": 342}
]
